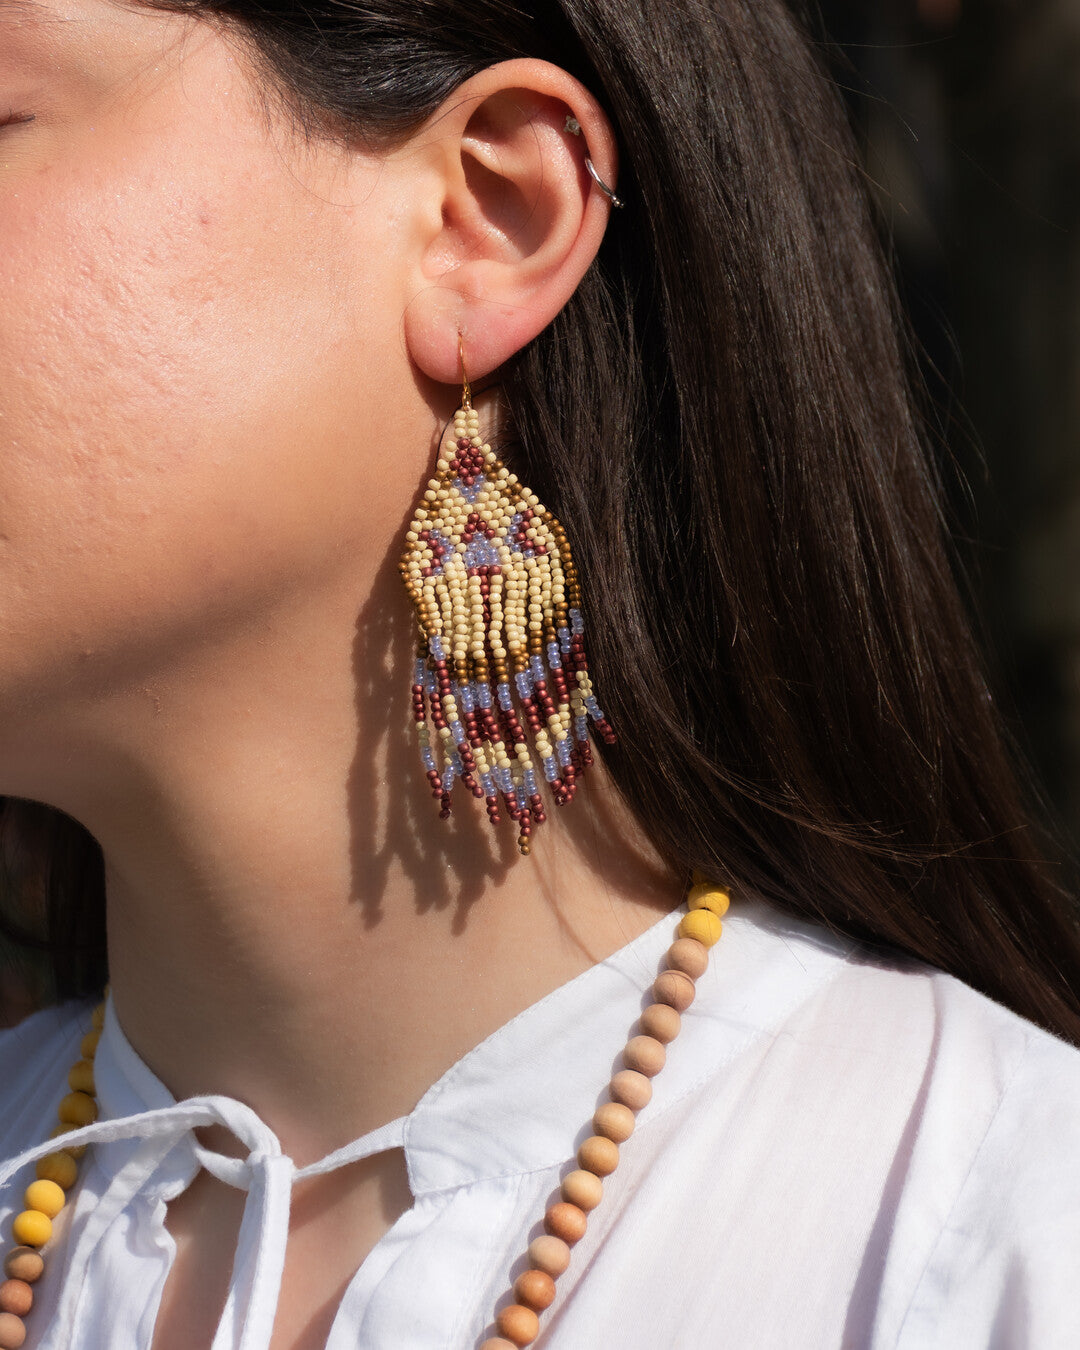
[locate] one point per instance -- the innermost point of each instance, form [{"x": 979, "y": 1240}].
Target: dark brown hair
[{"x": 722, "y": 417}]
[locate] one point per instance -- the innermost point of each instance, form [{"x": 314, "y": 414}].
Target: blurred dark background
[
  {"x": 968, "y": 112},
  {"x": 969, "y": 117}
]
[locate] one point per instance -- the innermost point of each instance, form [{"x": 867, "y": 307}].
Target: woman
[{"x": 254, "y": 258}]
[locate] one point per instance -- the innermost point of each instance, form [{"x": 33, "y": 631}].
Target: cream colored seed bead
[{"x": 614, "y": 1121}]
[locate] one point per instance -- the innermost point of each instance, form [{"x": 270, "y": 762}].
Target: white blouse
[{"x": 842, "y": 1151}]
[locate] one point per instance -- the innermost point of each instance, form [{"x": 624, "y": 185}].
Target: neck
[{"x": 289, "y": 921}]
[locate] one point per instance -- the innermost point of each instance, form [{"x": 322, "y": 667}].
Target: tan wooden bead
[
  {"x": 689, "y": 956},
  {"x": 614, "y": 1121},
  {"x": 24, "y": 1263},
  {"x": 661, "y": 1022},
  {"x": 12, "y": 1331},
  {"x": 630, "y": 1088},
  {"x": 598, "y": 1155},
  {"x": 60, "y": 1167},
  {"x": 520, "y": 1325},
  {"x": 549, "y": 1254},
  {"x": 81, "y": 1076},
  {"x": 16, "y": 1297},
  {"x": 581, "y": 1188},
  {"x": 89, "y": 1044},
  {"x": 497, "y": 1343},
  {"x": 535, "y": 1289},
  {"x": 645, "y": 1054},
  {"x": 566, "y": 1221},
  {"x": 78, "y": 1108},
  {"x": 675, "y": 988}
]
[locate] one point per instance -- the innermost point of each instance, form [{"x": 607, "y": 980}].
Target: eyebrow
[{"x": 25, "y": 9}]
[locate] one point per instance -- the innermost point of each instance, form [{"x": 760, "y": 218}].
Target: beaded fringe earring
[{"x": 501, "y": 645}]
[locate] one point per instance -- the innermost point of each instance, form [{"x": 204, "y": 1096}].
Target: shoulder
[{"x": 35, "y": 1056}]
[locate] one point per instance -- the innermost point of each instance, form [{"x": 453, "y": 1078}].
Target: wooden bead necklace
[{"x": 565, "y": 1221}]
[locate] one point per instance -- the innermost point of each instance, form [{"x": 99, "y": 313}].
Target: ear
[{"x": 510, "y": 220}]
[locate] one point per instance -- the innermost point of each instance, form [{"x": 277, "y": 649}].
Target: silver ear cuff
[{"x": 573, "y": 126}]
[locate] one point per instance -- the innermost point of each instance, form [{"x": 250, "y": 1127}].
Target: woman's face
[{"x": 201, "y": 361}]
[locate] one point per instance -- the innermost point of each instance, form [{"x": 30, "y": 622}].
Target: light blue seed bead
[
  {"x": 551, "y": 769},
  {"x": 448, "y": 778},
  {"x": 488, "y": 784},
  {"x": 577, "y": 624},
  {"x": 506, "y": 699},
  {"x": 553, "y": 656},
  {"x": 418, "y": 672},
  {"x": 530, "y": 783},
  {"x": 536, "y": 665},
  {"x": 564, "y": 641},
  {"x": 428, "y": 757},
  {"x": 581, "y": 728},
  {"x": 562, "y": 749}
]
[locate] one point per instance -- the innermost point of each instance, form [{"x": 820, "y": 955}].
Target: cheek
[{"x": 174, "y": 426}]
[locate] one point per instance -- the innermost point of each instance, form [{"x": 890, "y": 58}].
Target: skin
[{"x": 228, "y": 356}]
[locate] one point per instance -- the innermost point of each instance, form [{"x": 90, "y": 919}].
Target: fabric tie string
[{"x": 266, "y": 1174}]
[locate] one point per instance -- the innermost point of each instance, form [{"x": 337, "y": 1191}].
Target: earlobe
[{"x": 520, "y": 217}]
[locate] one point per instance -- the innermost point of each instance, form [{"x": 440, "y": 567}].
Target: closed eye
[{"x": 14, "y": 118}]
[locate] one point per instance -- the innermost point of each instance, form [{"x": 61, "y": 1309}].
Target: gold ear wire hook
[{"x": 466, "y": 388}]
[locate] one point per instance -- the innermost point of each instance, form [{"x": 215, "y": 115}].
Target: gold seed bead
[
  {"x": 77, "y": 1108},
  {"x": 46, "y": 1197},
  {"x": 703, "y": 925},
  {"x": 31, "y": 1228},
  {"x": 60, "y": 1167},
  {"x": 661, "y": 1021},
  {"x": 672, "y": 986},
  {"x": 598, "y": 1155},
  {"x": 89, "y": 1044},
  {"x": 16, "y": 1297},
  {"x": 12, "y": 1331},
  {"x": 689, "y": 956},
  {"x": 23, "y": 1263},
  {"x": 565, "y": 1221},
  {"x": 709, "y": 897},
  {"x": 81, "y": 1077},
  {"x": 581, "y": 1188},
  {"x": 549, "y": 1254},
  {"x": 614, "y": 1121},
  {"x": 631, "y": 1089},
  {"x": 535, "y": 1289},
  {"x": 520, "y": 1325},
  {"x": 645, "y": 1054}
]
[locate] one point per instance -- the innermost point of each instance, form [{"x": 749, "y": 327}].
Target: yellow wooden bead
[
  {"x": 76, "y": 1150},
  {"x": 81, "y": 1077},
  {"x": 97, "y": 1017},
  {"x": 60, "y": 1167},
  {"x": 89, "y": 1044},
  {"x": 702, "y": 924},
  {"x": 31, "y": 1228},
  {"x": 45, "y": 1196},
  {"x": 709, "y": 897},
  {"x": 78, "y": 1108}
]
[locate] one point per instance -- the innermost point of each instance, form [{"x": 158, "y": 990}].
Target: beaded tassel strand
[{"x": 501, "y": 647}]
